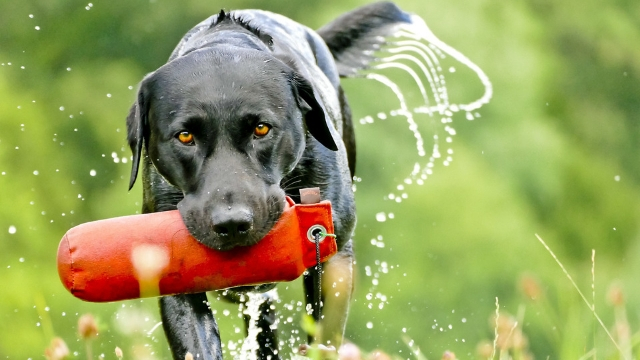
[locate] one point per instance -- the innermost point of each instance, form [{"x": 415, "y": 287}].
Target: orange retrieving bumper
[{"x": 154, "y": 254}]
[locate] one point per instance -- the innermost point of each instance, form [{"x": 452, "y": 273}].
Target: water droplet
[
  {"x": 31, "y": 16},
  {"x": 12, "y": 229},
  {"x": 616, "y": 178},
  {"x": 37, "y": 28},
  {"x": 108, "y": 95},
  {"x": 381, "y": 217},
  {"x": 92, "y": 172},
  {"x": 61, "y": 108},
  {"x": 21, "y": 259},
  {"x": 369, "y": 325},
  {"x": 35, "y": 172}
]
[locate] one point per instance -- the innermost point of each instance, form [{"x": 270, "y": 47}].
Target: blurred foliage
[{"x": 554, "y": 153}]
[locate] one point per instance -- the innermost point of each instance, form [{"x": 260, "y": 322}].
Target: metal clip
[{"x": 316, "y": 230}]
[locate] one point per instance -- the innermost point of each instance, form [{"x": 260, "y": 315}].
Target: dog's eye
[
  {"x": 186, "y": 138},
  {"x": 261, "y": 130}
]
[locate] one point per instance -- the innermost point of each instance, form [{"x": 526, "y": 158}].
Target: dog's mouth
[{"x": 233, "y": 226}]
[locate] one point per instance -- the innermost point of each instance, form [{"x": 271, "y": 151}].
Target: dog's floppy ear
[
  {"x": 137, "y": 129},
  {"x": 316, "y": 118}
]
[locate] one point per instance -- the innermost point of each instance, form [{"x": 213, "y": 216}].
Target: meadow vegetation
[{"x": 555, "y": 153}]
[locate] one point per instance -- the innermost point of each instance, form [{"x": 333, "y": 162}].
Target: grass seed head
[
  {"x": 484, "y": 350},
  {"x": 530, "y": 287},
  {"x": 448, "y": 355},
  {"x": 87, "y": 327},
  {"x": 349, "y": 351},
  {"x": 57, "y": 350},
  {"x": 615, "y": 295},
  {"x": 379, "y": 355},
  {"x": 119, "y": 353}
]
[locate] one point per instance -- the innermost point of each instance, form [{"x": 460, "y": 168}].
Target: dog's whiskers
[
  {"x": 290, "y": 185},
  {"x": 288, "y": 181}
]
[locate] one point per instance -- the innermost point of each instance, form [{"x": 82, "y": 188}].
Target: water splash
[
  {"x": 416, "y": 51},
  {"x": 246, "y": 349},
  {"x": 250, "y": 344}
]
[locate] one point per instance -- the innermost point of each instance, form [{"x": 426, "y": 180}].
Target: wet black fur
[{"x": 229, "y": 73}]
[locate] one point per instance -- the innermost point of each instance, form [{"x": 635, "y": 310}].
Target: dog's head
[{"x": 225, "y": 126}]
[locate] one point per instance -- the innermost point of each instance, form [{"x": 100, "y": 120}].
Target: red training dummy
[{"x": 154, "y": 254}]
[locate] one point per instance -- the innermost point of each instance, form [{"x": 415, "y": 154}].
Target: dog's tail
[{"x": 354, "y": 37}]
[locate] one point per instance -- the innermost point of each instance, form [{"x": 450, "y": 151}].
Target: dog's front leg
[
  {"x": 190, "y": 327},
  {"x": 337, "y": 286}
]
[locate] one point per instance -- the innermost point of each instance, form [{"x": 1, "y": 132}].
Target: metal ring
[{"x": 314, "y": 230}]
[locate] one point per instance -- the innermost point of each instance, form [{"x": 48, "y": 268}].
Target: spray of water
[
  {"x": 416, "y": 51},
  {"x": 250, "y": 345}
]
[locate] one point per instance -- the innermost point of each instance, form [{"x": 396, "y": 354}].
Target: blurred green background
[{"x": 554, "y": 153}]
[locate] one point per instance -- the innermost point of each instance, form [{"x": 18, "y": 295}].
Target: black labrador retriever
[{"x": 248, "y": 110}]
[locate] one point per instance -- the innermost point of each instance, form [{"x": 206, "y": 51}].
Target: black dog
[{"x": 247, "y": 110}]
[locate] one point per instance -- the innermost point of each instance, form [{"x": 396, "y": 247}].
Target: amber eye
[
  {"x": 186, "y": 138},
  {"x": 261, "y": 130}
]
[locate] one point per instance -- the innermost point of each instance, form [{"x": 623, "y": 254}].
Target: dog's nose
[{"x": 232, "y": 222}]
